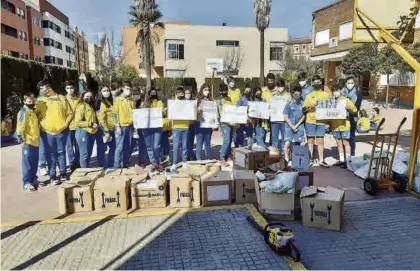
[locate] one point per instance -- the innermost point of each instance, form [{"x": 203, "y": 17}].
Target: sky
[{"x": 96, "y": 16}]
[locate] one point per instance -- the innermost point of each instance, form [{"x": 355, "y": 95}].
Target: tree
[
  {"x": 143, "y": 14},
  {"x": 290, "y": 77},
  {"x": 232, "y": 61},
  {"x": 262, "y": 10},
  {"x": 360, "y": 60},
  {"x": 127, "y": 72}
]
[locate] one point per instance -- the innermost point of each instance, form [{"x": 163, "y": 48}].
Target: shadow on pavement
[{"x": 62, "y": 244}]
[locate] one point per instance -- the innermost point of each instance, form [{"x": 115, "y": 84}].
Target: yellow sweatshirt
[
  {"x": 28, "y": 126},
  {"x": 123, "y": 107},
  {"x": 311, "y": 100},
  {"x": 377, "y": 120},
  {"x": 364, "y": 124},
  {"x": 85, "y": 117},
  {"x": 234, "y": 95},
  {"x": 106, "y": 116},
  {"x": 73, "y": 101},
  {"x": 54, "y": 113},
  {"x": 6, "y": 128},
  {"x": 344, "y": 125}
]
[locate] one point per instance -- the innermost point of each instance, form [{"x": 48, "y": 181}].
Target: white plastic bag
[
  {"x": 356, "y": 163},
  {"x": 283, "y": 183},
  {"x": 400, "y": 167}
]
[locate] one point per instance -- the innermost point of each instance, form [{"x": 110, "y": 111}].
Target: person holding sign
[
  {"x": 227, "y": 128},
  {"x": 303, "y": 82},
  {"x": 294, "y": 117},
  {"x": 107, "y": 125},
  {"x": 268, "y": 90},
  {"x": 138, "y": 136},
  {"x": 87, "y": 126},
  {"x": 315, "y": 129},
  {"x": 261, "y": 125},
  {"x": 123, "y": 119},
  {"x": 152, "y": 136},
  {"x": 341, "y": 129},
  {"x": 203, "y": 134},
  {"x": 249, "y": 130}
]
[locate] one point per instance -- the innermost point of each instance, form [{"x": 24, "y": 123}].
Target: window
[
  {"x": 68, "y": 64},
  {"x": 322, "y": 37},
  {"x": 10, "y": 31},
  {"x": 303, "y": 48},
  {"x": 68, "y": 49},
  {"x": 346, "y": 30},
  {"x": 73, "y": 51},
  {"x": 59, "y": 61},
  {"x": 296, "y": 49},
  {"x": 48, "y": 42},
  {"x": 276, "y": 51},
  {"x": 234, "y": 43},
  {"x": 68, "y": 35},
  {"x": 58, "y": 45},
  {"x": 57, "y": 29},
  {"x": 50, "y": 59},
  {"x": 20, "y": 12},
  {"x": 175, "y": 49},
  {"x": 37, "y": 41},
  {"x": 36, "y": 21},
  {"x": 8, "y": 6},
  {"x": 47, "y": 24},
  {"x": 24, "y": 56},
  {"x": 22, "y": 35},
  {"x": 13, "y": 53},
  {"x": 175, "y": 73}
]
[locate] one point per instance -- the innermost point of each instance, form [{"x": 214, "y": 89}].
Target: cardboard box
[
  {"x": 214, "y": 167},
  {"x": 300, "y": 158},
  {"x": 111, "y": 194},
  {"x": 244, "y": 182},
  {"x": 217, "y": 189},
  {"x": 305, "y": 179},
  {"x": 184, "y": 191},
  {"x": 91, "y": 173},
  {"x": 274, "y": 205},
  {"x": 322, "y": 207},
  {"x": 137, "y": 174},
  {"x": 75, "y": 197},
  {"x": 113, "y": 172},
  {"x": 251, "y": 159},
  {"x": 151, "y": 193}
]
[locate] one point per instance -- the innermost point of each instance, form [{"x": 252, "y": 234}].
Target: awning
[{"x": 330, "y": 57}]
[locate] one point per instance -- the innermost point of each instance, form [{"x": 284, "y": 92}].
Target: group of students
[{"x": 54, "y": 128}]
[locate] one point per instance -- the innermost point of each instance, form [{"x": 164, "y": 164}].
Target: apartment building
[
  {"x": 95, "y": 57},
  {"x": 193, "y": 50},
  {"x": 300, "y": 48},
  {"x": 81, "y": 49}
]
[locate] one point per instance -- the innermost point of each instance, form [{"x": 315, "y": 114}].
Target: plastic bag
[
  {"x": 357, "y": 162},
  {"x": 283, "y": 183},
  {"x": 400, "y": 167},
  {"x": 402, "y": 156}
]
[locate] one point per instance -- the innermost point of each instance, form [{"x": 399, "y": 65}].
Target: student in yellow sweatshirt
[
  {"x": 123, "y": 119},
  {"x": 363, "y": 124},
  {"x": 227, "y": 128},
  {"x": 152, "y": 136},
  {"x": 55, "y": 115},
  {"x": 376, "y": 119},
  {"x": 87, "y": 126},
  {"x": 180, "y": 134},
  {"x": 267, "y": 92},
  {"x": 105, "y": 116},
  {"x": 27, "y": 132},
  {"x": 341, "y": 128},
  {"x": 71, "y": 146}
]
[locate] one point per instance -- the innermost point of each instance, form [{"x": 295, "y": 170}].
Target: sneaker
[
  {"x": 42, "y": 184},
  {"x": 324, "y": 164},
  {"x": 64, "y": 177},
  {"x": 54, "y": 180},
  {"x": 43, "y": 172},
  {"x": 173, "y": 169},
  {"x": 339, "y": 164},
  {"x": 29, "y": 187}
]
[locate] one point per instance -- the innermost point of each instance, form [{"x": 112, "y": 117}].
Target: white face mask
[
  {"x": 281, "y": 89},
  {"x": 114, "y": 93},
  {"x": 127, "y": 91},
  {"x": 350, "y": 86},
  {"x": 69, "y": 90},
  {"x": 302, "y": 83},
  {"x": 336, "y": 94},
  {"x": 206, "y": 92},
  {"x": 187, "y": 96},
  {"x": 231, "y": 84},
  {"x": 43, "y": 91},
  {"x": 106, "y": 94}
]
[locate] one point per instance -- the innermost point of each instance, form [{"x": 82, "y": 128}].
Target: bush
[
  {"x": 239, "y": 83},
  {"x": 168, "y": 85}
]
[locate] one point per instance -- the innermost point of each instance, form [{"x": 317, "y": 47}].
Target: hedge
[
  {"x": 239, "y": 83},
  {"x": 168, "y": 85}
]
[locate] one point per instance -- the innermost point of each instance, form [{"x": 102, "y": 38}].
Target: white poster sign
[
  {"x": 300, "y": 158},
  {"x": 214, "y": 63},
  {"x": 147, "y": 118},
  {"x": 234, "y": 114},
  {"x": 331, "y": 110},
  {"x": 208, "y": 114},
  {"x": 277, "y": 104},
  {"x": 258, "y": 110},
  {"x": 182, "y": 109}
]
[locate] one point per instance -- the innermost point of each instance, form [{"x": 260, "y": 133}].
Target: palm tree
[
  {"x": 262, "y": 10},
  {"x": 145, "y": 14}
]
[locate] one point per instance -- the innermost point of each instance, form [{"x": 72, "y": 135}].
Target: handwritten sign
[
  {"x": 147, "y": 118},
  {"x": 277, "y": 104},
  {"x": 182, "y": 109},
  {"x": 331, "y": 110},
  {"x": 300, "y": 158},
  {"x": 258, "y": 110},
  {"x": 234, "y": 114},
  {"x": 208, "y": 115}
]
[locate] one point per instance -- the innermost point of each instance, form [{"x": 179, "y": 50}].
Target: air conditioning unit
[{"x": 333, "y": 42}]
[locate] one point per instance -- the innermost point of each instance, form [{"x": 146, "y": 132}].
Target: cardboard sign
[
  {"x": 244, "y": 186},
  {"x": 277, "y": 104},
  {"x": 331, "y": 110},
  {"x": 322, "y": 207},
  {"x": 208, "y": 115},
  {"x": 75, "y": 197},
  {"x": 111, "y": 194},
  {"x": 150, "y": 193},
  {"x": 300, "y": 158},
  {"x": 182, "y": 109},
  {"x": 147, "y": 118},
  {"x": 234, "y": 114},
  {"x": 217, "y": 189},
  {"x": 258, "y": 110}
]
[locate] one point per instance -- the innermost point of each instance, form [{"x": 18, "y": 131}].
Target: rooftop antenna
[{"x": 224, "y": 24}]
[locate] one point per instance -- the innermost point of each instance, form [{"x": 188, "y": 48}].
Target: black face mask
[
  {"x": 224, "y": 94},
  {"x": 88, "y": 100},
  {"x": 247, "y": 94},
  {"x": 154, "y": 97},
  {"x": 30, "y": 106},
  {"x": 317, "y": 87},
  {"x": 181, "y": 97},
  {"x": 258, "y": 96}
]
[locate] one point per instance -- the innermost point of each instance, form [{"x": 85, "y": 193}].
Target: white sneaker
[
  {"x": 184, "y": 165},
  {"x": 173, "y": 168},
  {"x": 29, "y": 187},
  {"x": 43, "y": 172}
]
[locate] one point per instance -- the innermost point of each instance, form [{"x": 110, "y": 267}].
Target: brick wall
[{"x": 13, "y": 20}]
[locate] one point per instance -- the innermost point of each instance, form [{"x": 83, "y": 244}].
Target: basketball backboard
[{"x": 385, "y": 13}]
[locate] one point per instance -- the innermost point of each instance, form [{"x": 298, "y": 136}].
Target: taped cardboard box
[
  {"x": 111, "y": 194},
  {"x": 274, "y": 205},
  {"x": 322, "y": 207},
  {"x": 251, "y": 159},
  {"x": 75, "y": 197},
  {"x": 113, "y": 172},
  {"x": 151, "y": 193},
  {"x": 137, "y": 174},
  {"x": 244, "y": 182},
  {"x": 200, "y": 165},
  {"x": 217, "y": 189},
  {"x": 184, "y": 191}
]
